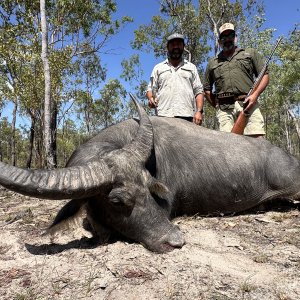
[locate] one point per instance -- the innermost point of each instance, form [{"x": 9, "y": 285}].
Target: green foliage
[
  {"x": 68, "y": 139},
  {"x": 77, "y": 32},
  {"x": 133, "y": 73},
  {"x": 5, "y": 143},
  {"x": 109, "y": 106},
  {"x": 282, "y": 97},
  {"x": 103, "y": 111},
  {"x": 177, "y": 16},
  {"x": 131, "y": 68}
]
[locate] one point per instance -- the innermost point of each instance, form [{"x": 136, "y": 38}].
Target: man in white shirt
[{"x": 175, "y": 89}]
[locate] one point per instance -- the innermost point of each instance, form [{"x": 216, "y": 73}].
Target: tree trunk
[
  {"x": 215, "y": 23},
  {"x": 54, "y": 133},
  {"x": 39, "y": 161},
  {"x": 48, "y": 143},
  {"x": 287, "y": 134},
  {"x": 13, "y": 134},
  {"x": 295, "y": 121},
  {"x": 31, "y": 139}
]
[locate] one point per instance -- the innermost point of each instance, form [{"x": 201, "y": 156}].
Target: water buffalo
[{"x": 133, "y": 177}]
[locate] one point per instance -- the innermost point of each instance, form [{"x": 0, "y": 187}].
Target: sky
[{"x": 281, "y": 15}]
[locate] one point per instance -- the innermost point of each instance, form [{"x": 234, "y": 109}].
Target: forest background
[{"x": 65, "y": 71}]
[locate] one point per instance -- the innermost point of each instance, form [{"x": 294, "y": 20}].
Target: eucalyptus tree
[
  {"x": 198, "y": 21},
  {"x": 133, "y": 74},
  {"x": 69, "y": 137},
  {"x": 108, "y": 107},
  {"x": 5, "y": 133},
  {"x": 282, "y": 102},
  {"x": 181, "y": 16},
  {"x": 48, "y": 137},
  {"x": 79, "y": 30},
  {"x": 11, "y": 59},
  {"x": 100, "y": 108},
  {"x": 76, "y": 30},
  {"x": 90, "y": 74}
]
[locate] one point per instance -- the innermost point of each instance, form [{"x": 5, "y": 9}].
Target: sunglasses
[{"x": 227, "y": 36}]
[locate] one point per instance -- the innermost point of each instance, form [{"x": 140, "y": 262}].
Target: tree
[
  {"x": 69, "y": 137},
  {"x": 90, "y": 75},
  {"x": 48, "y": 137},
  {"x": 76, "y": 30},
  {"x": 133, "y": 74},
  {"x": 5, "y": 133},
  {"x": 282, "y": 104},
  {"x": 110, "y": 104}
]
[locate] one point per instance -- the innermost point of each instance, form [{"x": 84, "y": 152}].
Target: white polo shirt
[{"x": 176, "y": 88}]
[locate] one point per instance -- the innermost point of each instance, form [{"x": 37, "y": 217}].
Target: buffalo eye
[
  {"x": 116, "y": 201},
  {"x": 119, "y": 197},
  {"x": 115, "y": 198}
]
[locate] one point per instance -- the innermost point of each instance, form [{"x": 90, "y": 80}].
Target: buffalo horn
[
  {"x": 142, "y": 144},
  {"x": 71, "y": 182}
]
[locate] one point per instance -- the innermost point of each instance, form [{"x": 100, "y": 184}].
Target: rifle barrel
[{"x": 262, "y": 72}]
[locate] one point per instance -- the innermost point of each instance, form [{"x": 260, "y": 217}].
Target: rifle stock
[{"x": 240, "y": 123}]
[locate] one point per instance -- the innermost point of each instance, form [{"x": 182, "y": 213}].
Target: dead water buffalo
[{"x": 134, "y": 176}]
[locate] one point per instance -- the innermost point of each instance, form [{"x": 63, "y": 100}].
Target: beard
[
  {"x": 175, "y": 53},
  {"x": 228, "y": 46}
]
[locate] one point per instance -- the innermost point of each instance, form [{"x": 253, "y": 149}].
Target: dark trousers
[{"x": 190, "y": 119}]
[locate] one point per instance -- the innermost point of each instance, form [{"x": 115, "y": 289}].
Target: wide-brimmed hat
[
  {"x": 226, "y": 26},
  {"x": 175, "y": 36}
]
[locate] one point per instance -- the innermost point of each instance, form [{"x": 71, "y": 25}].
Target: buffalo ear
[{"x": 161, "y": 190}]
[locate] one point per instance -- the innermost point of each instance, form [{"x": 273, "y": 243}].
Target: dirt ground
[{"x": 248, "y": 256}]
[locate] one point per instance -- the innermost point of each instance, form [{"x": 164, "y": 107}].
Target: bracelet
[{"x": 200, "y": 110}]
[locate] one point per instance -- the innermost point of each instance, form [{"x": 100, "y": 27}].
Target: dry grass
[{"x": 250, "y": 256}]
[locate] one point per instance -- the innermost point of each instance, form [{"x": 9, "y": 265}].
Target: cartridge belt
[{"x": 229, "y": 98}]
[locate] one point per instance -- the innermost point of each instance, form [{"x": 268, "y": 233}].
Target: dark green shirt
[{"x": 235, "y": 74}]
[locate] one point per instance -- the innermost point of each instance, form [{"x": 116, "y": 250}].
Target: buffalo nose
[
  {"x": 175, "y": 239},
  {"x": 171, "y": 240}
]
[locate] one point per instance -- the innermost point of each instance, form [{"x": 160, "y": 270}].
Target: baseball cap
[
  {"x": 175, "y": 36},
  {"x": 226, "y": 26}
]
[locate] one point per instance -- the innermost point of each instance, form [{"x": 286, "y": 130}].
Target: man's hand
[
  {"x": 197, "y": 119},
  {"x": 152, "y": 103},
  {"x": 248, "y": 103}
]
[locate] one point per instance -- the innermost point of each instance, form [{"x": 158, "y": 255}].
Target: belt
[{"x": 231, "y": 99}]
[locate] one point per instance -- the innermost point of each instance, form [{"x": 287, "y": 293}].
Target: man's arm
[
  {"x": 199, "y": 98},
  {"x": 199, "y": 109},
  {"x": 259, "y": 64},
  {"x": 251, "y": 100},
  {"x": 151, "y": 100}
]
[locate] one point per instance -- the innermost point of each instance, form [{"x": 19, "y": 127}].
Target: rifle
[{"x": 242, "y": 119}]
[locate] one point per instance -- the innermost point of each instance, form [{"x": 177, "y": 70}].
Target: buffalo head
[{"x": 116, "y": 189}]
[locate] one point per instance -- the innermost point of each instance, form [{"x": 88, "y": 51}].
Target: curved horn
[
  {"x": 142, "y": 145},
  {"x": 70, "y": 182}
]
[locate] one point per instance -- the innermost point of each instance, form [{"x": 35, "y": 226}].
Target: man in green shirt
[{"x": 231, "y": 74}]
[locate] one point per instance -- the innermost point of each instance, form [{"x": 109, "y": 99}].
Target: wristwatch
[{"x": 200, "y": 110}]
